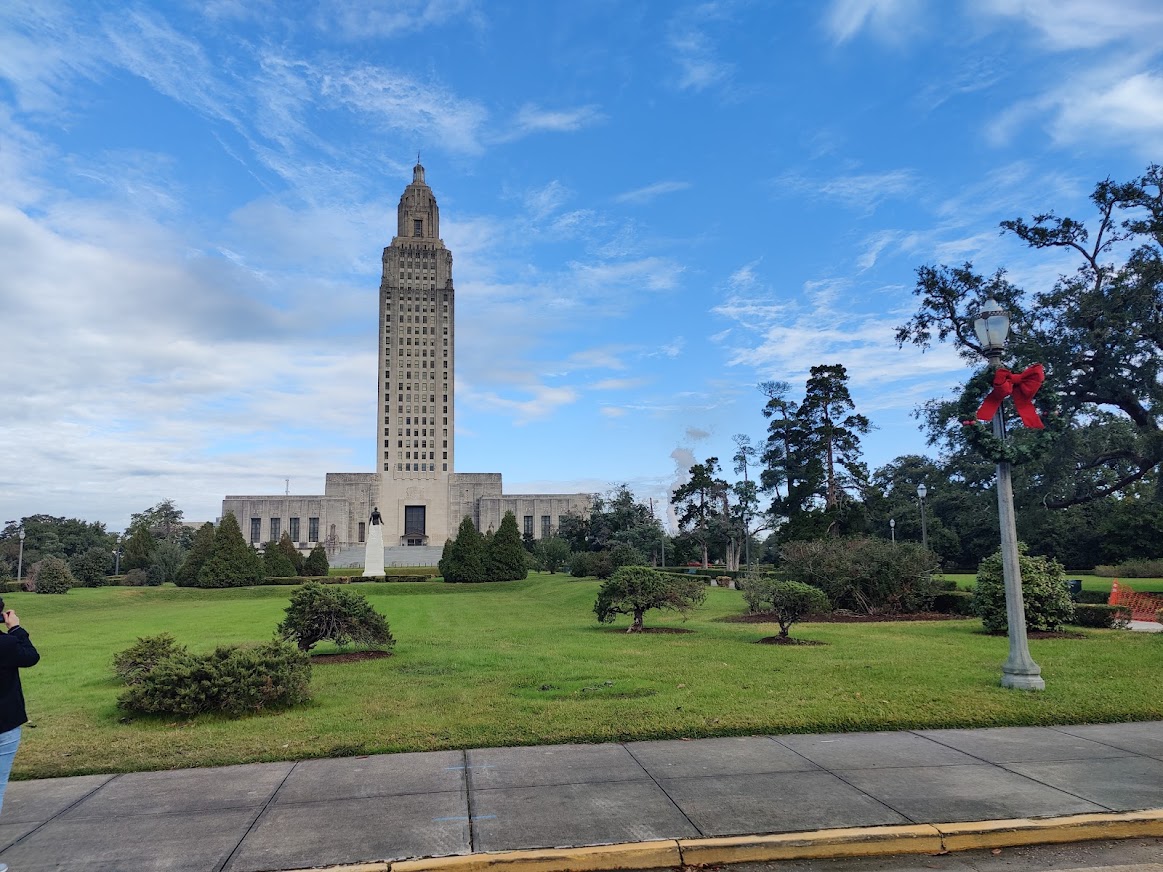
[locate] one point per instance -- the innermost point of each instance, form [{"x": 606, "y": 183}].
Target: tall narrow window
[
  {"x": 255, "y": 530},
  {"x": 528, "y": 526},
  {"x": 417, "y": 227},
  {"x": 362, "y": 531},
  {"x": 546, "y": 526},
  {"x": 276, "y": 529},
  {"x": 293, "y": 529},
  {"x": 312, "y": 529}
]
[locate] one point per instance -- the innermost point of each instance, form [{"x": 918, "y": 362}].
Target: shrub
[
  {"x": 232, "y": 563},
  {"x": 319, "y": 612},
  {"x": 1103, "y": 617},
  {"x": 52, "y": 575},
  {"x": 1093, "y": 597},
  {"x": 787, "y": 601},
  {"x": 135, "y": 578},
  {"x": 1159, "y": 615},
  {"x": 288, "y": 547},
  {"x": 199, "y": 553},
  {"x": 233, "y": 680},
  {"x": 316, "y": 562},
  {"x": 91, "y": 567},
  {"x": 276, "y": 563},
  {"x": 132, "y": 664},
  {"x": 623, "y": 554},
  {"x": 1044, "y": 593},
  {"x": 553, "y": 553},
  {"x": 865, "y": 575},
  {"x": 581, "y": 564},
  {"x": 463, "y": 559},
  {"x": 1133, "y": 569},
  {"x": 166, "y": 562},
  {"x": 954, "y": 602},
  {"x": 634, "y": 590}
]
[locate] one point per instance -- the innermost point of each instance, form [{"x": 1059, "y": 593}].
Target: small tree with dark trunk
[
  {"x": 318, "y": 611},
  {"x": 634, "y": 590}
]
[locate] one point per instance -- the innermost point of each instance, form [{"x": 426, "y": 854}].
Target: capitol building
[{"x": 420, "y": 496}]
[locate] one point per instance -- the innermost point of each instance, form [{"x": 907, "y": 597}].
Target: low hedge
[
  {"x": 954, "y": 602},
  {"x": 1092, "y": 597},
  {"x": 1102, "y": 617},
  {"x": 1132, "y": 569}
]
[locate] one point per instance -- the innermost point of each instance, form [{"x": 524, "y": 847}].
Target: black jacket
[{"x": 15, "y": 651}]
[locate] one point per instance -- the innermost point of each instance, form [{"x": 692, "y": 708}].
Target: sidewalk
[{"x": 279, "y": 816}]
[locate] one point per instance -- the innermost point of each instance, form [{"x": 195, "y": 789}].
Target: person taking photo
[{"x": 16, "y": 653}]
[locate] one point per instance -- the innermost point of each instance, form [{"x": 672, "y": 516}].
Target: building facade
[{"x": 421, "y": 498}]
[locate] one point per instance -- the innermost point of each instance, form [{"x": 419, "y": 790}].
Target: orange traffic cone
[{"x": 1114, "y": 597}]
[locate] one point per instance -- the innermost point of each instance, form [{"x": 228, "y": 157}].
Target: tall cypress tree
[
  {"x": 316, "y": 564},
  {"x": 232, "y": 563},
  {"x": 199, "y": 553},
  {"x": 505, "y": 560},
  {"x": 464, "y": 559},
  {"x": 138, "y": 548}
]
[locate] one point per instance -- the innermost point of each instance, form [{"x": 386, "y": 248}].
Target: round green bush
[
  {"x": 786, "y": 601},
  {"x": 1044, "y": 593},
  {"x": 54, "y": 576},
  {"x": 319, "y": 612},
  {"x": 634, "y": 590}
]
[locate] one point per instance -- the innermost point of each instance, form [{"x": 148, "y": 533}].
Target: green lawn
[
  {"x": 526, "y": 663},
  {"x": 1089, "y": 582}
]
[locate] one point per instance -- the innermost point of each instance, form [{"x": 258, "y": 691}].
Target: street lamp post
[
  {"x": 117, "y": 557},
  {"x": 20, "y": 559},
  {"x": 922, "y": 492},
  {"x": 892, "y": 529},
  {"x": 992, "y": 325}
]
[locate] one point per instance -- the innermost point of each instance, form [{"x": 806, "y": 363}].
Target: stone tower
[{"x": 415, "y": 425}]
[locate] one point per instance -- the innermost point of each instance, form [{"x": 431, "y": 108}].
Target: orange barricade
[{"x": 1142, "y": 605}]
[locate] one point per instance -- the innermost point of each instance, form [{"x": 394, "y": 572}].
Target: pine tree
[
  {"x": 505, "y": 559},
  {"x": 139, "y": 548},
  {"x": 232, "y": 563},
  {"x": 465, "y": 558},
  {"x": 199, "y": 553},
  {"x": 287, "y": 546},
  {"x": 275, "y": 562},
  {"x": 316, "y": 565}
]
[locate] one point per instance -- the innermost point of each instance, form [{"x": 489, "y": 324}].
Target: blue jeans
[{"x": 9, "y": 742}]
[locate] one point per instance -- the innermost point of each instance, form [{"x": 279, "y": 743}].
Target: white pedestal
[{"x": 373, "y": 558}]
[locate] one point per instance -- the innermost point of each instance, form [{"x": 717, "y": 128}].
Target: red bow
[{"x": 1022, "y": 386}]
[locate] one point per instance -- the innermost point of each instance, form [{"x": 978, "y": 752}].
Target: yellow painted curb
[
  {"x": 351, "y": 867},
  {"x": 1074, "y": 828},
  {"x": 639, "y": 855},
  {"x": 850, "y": 842}
]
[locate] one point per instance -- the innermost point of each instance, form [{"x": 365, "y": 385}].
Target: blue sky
[{"x": 652, "y": 207}]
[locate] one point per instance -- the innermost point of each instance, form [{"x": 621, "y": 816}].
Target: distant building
[{"x": 421, "y": 498}]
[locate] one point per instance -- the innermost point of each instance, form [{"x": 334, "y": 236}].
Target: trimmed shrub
[
  {"x": 1044, "y": 593},
  {"x": 1102, "y": 617},
  {"x": 276, "y": 563},
  {"x": 52, "y": 575},
  {"x": 634, "y": 590},
  {"x": 232, "y": 563},
  {"x": 233, "y": 680},
  {"x": 199, "y": 553},
  {"x": 954, "y": 602},
  {"x": 316, "y": 562},
  {"x": 1133, "y": 569},
  {"x": 166, "y": 562},
  {"x": 287, "y": 546},
  {"x": 319, "y": 612},
  {"x": 787, "y": 601},
  {"x": 869, "y": 576},
  {"x": 623, "y": 554},
  {"x": 505, "y": 555},
  {"x": 136, "y": 578},
  {"x": 91, "y": 567},
  {"x": 463, "y": 559},
  {"x": 136, "y": 661}
]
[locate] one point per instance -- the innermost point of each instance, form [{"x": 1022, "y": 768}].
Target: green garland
[{"x": 1022, "y": 444}]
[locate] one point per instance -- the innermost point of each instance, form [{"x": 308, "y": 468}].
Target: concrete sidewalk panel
[
  {"x": 1119, "y": 783},
  {"x": 40, "y": 800},
  {"x": 775, "y": 802},
  {"x": 636, "y": 855},
  {"x": 1021, "y": 744},
  {"x": 1138, "y": 738},
  {"x": 846, "y": 842},
  {"x": 569, "y": 815},
  {"x": 9, "y": 833},
  {"x": 931, "y": 794},
  {"x": 191, "y": 842},
  {"x": 184, "y": 790},
  {"x": 379, "y": 775},
  {"x": 303, "y": 835},
  {"x": 544, "y": 765},
  {"x": 873, "y": 750},
  {"x": 747, "y": 755}
]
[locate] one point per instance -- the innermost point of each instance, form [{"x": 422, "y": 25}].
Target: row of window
[
  {"x": 546, "y": 526},
  {"x": 276, "y": 528},
  {"x": 418, "y": 467}
]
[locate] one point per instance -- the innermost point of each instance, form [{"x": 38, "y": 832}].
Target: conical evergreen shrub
[
  {"x": 464, "y": 560},
  {"x": 232, "y": 563},
  {"x": 505, "y": 560},
  {"x": 199, "y": 553}
]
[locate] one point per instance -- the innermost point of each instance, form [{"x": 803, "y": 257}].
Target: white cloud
[
  {"x": 1073, "y": 24},
  {"x": 533, "y": 119},
  {"x": 541, "y": 401},
  {"x": 693, "y": 49},
  {"x": 890, "y": 20},
  {"x": 365, "y": 19},
  {"x": 547, "y": 199},
  {"x": 651, "y": 192},
  {"x": 862, "y": 191}
]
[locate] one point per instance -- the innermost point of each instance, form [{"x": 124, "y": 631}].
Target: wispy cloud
[
  {"x": 1074, "y": 24},
  {"x": 365, "y": 19},
  {"x": 531, "y": 119},
  {"x": 694, "y": 50},
  {"x": 651, "y": 192},
  {"x": 860, "y": 191},
  {"x": 889, "y": 20}
]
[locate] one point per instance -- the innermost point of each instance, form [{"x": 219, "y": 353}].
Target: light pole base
[{"x": 1022, "y": 680}]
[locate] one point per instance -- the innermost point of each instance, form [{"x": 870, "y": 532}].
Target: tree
[
  {"x": 200, "y": 551},
  {"x": 166, "y": 561},
  {"x": 699, "y": 500},
  {"x": 746, "y": 493},
  {"x": 52, "y": 575},
  {"x": 316, "y": 565},
  {"x": 232, "y": 563},
  {"x": 49, "y": 536},
  {"x": 634, "y": 590},
  {"x": 318, "y": 611},
  {"x": 163, "y": 521},
  {"x": 275, "y": 562},
  {"x": 463, "y": 559},
  {"x": 138, "y": 548},
  {"x": 786, "y": 601},
  {"x": 1098, "y": 332},
  {"x": 288, "y": 547},
  {"x": 92, "y": 567},
  {"x": 553, "y": 552},
  {"x": 505, "y": 557}
]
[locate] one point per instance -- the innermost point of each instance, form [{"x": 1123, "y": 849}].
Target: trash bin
[{"x": 1074, "y": 585}]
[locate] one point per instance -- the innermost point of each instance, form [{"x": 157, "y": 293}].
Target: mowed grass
[
  {"x": 1089, "y": 582},
  {"x": 526, "y": 663}
]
